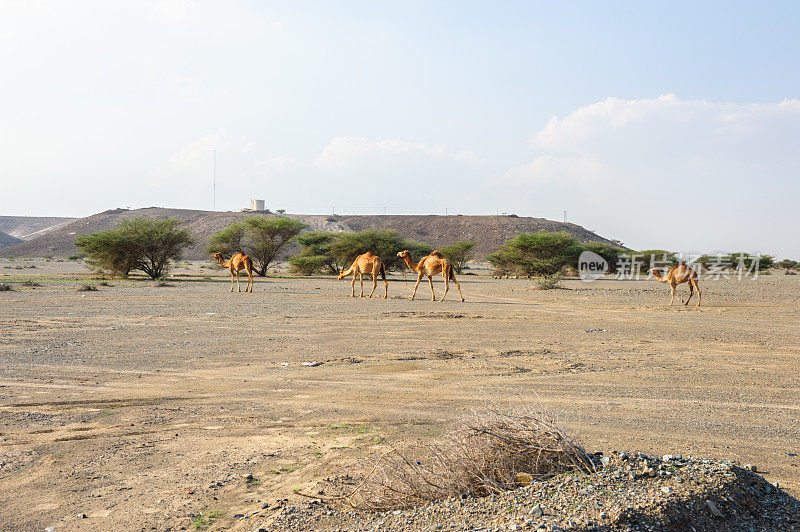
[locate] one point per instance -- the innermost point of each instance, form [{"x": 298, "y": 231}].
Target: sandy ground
[{"x": 142, "y": 407}]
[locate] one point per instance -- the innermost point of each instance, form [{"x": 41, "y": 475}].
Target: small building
[{"x": 257, "y": 205}]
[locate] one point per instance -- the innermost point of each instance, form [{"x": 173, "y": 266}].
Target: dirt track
[{"x": 141, "y": 405}]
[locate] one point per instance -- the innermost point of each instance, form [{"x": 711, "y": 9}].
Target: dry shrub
[
  {"x": 548, "y": 282},
  {"x": 483, "y": 456},
  {"x": 6, "y": 287},
  {"x": 87, "y": 288}
]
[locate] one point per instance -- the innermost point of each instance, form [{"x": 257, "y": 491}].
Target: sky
[{"x": 671, "y": 125}]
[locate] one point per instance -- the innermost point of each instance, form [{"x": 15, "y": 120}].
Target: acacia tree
[
  {"x": 143, "y": 244},
  {"x": 542, "y": 253},
  {"x": 315, "y": 254},
  {"x": 458, "y": 254},
  {"x": 230, "y": 240},
  {"x": 385, "y": 243}
]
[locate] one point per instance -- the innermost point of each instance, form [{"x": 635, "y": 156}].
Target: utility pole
[
  {"x": 214, "y": 180},
  {"x": 565, "y": 216}
]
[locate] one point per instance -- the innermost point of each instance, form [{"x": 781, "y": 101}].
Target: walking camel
[
  {"x": 431, "y": 265},
  {"x": 366, "y": 263},
  {"x": 678, "y": 275},
  {"x": 235, "y": 264}
]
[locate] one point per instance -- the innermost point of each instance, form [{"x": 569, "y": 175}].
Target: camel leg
[
  {"x": 433, "y": 294},
  {"x": 419, "y": 278},
  {"x": 697, "y": 287},
  {"x": 353, "y": 286},
  {"x": 238, "y": 286},
  {"x": 386, "y": 286},
  {"x": 459, "y": 289},
  {"x": 446, "y": 278},
  {"x": 672, "y": 289},
  {"x": 231, "y": 281},
  {"x": 374, "y": 283},
  {"x": 691, "y": 292},
  {"x": 361, "y": 278},
  {"x": 249, "y": 281}
]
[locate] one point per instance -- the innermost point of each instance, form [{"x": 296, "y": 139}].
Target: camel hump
[{"x": 436, "y": 253}]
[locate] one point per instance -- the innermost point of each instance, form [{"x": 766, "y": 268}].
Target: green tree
[
  {"x": 108, "y": 251},
  {"x": 229, "y": 241},
  {"x": 315, "y": 253},
  {"x": 143, "y": 244},
  {"x": 539, "y": 254},
  {"x": 266, "y": 237},
  {"x": 611, "y": 253},
  {"x": 458, "y": 254},
  {"x": 385, "y": 243}
]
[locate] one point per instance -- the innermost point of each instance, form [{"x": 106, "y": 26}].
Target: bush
[
  {"x": 87, "y": 288},
  {"x": 458, "y": 254},
  {"x": 308, "y": 264},
  {"x": 385, "y": 243},
  {"x": 788, "y": 264},
  {"x": 542, "y": 253},
  {"x": 261, "y": 237},
  {"x": 31, "y": 283},
  {"x": 76, "y": 257},
  {"x": 315, "y": 254},
  {"x": 141, "y": 244},
  {"x": 488, "y": 454},
  {"x": 6, "y": 287},
  {"x": 549, "y": 282},
  {"x": 611, "y": 253}
]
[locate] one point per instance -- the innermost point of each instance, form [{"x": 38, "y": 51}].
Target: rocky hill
[
  {"x": 7, "y": 240},
  {"x": 489, "y": 231},
  {"x": 30, "y": 227}
]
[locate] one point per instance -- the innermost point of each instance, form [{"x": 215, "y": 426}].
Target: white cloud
[
  {"x": 682, "y": 174},
  {"x": 354, "y": 173}
]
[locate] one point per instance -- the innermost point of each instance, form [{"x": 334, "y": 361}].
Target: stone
[
  {"x": 523, "y": 479},
  {"x": 248, "y": 476},
  {"x": 82, "y": 516},
  {"x": 666, "y": 489},
  {"x": 751, "y": 467},
  {"x": 713, "y": 507},
  {"x": 605, "y": 460},
  {"x": 537, "y": 511}
]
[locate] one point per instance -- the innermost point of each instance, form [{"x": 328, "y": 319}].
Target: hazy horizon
[{"x": 671, "y": 126}]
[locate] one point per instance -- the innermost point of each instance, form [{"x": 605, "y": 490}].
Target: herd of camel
[{"x": 431, "y": 265}]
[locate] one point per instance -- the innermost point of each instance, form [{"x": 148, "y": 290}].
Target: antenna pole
[
  {"x": 565, "y": 216},
  {"x": 214, "y": 180}
]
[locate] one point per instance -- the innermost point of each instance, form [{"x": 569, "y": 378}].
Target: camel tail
[
  {"x": 383, "y": 271},
  {"x": 451, "y": 272}
]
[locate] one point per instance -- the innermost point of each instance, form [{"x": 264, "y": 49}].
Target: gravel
[{"x": 633, "y": 492}]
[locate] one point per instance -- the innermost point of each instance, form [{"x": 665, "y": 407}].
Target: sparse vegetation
[
  {"x": 458, "y": 254},
  {"x": 385, "y": 243},
  {"x": 87, "y": 288},
  {"x": 314, "y": 256},
  {"x": 204, "y": 521},
  {"x": 484, "y": 456},
  {"x": 261, "y": 237},
  {"x": 31, "y": 283},
  {"x": 6, "y": 287},
  {"x": 548, "y": 282},
  {"x": 530, "y": 254},
  {"x": 141, "y": 244}
]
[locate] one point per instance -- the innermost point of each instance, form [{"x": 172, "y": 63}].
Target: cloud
[
  {"x": 682, "y": 174},
  {"x": 354, "y": 173}
]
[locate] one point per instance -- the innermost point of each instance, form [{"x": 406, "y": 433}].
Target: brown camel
[
  {"x": 235, "y": 264},
  {"x": 677, "y": 275},
  {"x": 366, "y": 263},
  {"x": 428, "y": 266}
]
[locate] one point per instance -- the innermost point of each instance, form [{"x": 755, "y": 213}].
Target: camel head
[
  {"x": 405, "y": 254},
  {"x": 341, "y": 275},
  {"x": 218, "y": 256}
]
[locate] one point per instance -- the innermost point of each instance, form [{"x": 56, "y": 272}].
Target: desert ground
[{"x": 143, "y": 407}]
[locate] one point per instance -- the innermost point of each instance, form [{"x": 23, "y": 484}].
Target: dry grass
[
  {"x": 87, "y": 288},
  {"x": 5, "y": 287},
  {"x": 548, "y": 282},
  {"x": 489, "y": 453}
]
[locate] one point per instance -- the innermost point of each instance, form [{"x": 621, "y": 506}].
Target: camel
[
  {"x": 235, "y": 264},
  {"x": 428, "y": 266},
  {"x": 677, "y": 275},
  {"x": 366, "y": 263}
]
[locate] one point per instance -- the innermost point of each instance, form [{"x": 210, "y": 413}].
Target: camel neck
[{"x": 410, "y": 264}]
